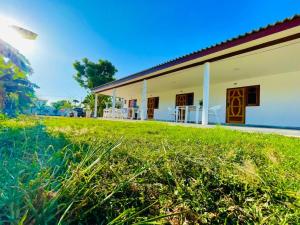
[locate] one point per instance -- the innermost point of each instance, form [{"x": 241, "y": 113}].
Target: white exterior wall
[
  {"x": 279, "y": 100},
  {"x": 167, "y": 100}
]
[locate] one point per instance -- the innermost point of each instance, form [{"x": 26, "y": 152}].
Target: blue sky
[{"x": 133, "y": 35}]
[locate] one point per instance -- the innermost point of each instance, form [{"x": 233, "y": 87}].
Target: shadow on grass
[
  {"x": 46, "y": 177},
  {"x": 26, "y": 154}
]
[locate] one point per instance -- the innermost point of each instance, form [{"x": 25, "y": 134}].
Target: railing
[
  {"x": 184, "y": 113},
  {"x": 133, "y": 113},
  {"x": 124, "y": 113}
]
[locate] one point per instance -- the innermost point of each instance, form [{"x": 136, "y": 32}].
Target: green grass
[{"x": 86, "y": 171}]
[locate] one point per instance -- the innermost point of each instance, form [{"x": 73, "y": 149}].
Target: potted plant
[{"x": 201, "y": 103}]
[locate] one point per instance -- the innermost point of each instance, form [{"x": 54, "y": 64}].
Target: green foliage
[
  {"x": 15, "y": 57},
  {"x": 61, "y": 105},
  {"x": 90, "y": 74},
  {"x": 85, "y": 171},
  {"x": 16, "y": 91},
  {"x": 3, "y": 117},
  {"x": 40, "y": 107},
  {"x": 89, "y": 102},
  {"x": 75, "y": 101}
]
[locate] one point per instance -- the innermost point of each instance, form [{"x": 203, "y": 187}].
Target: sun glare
[{"x": 11, "y": 36}]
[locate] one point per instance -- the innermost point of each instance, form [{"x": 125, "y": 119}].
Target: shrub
[{"x": 3, "y": 117}]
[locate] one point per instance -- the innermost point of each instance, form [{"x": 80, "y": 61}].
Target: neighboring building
[{"x": 253, "y": 79}]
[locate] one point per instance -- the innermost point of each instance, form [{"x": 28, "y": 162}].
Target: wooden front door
[
  {"x": 131, "y": 105},
  {"x": 181, "y": 100},
  {"x": 235, "y": 105},
  {"x": 151, "y": 107}
]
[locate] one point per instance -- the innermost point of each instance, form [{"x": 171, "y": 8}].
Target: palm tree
[
  {"x": 75, "y": 101},
  {"x": 89, "y": 102}
]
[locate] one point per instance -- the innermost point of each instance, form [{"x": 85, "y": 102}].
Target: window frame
[
  {"x": 257, "y": 103},
  {"x": 190, "y": 94},
  {"x": 156, "y": 102}
]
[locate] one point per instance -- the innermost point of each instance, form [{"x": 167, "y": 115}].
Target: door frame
[
  {"x": 246, "y": 103},
  {"x": 244, "y": 106},
  {"x": 153, "y": 106},
  {"x": 130, "y": 105},
  {"x": 187, "y": 94},
  {"x": 181, "y": 111}
]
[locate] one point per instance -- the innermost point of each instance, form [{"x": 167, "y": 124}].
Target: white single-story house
[{"x": 253, "y": 79}]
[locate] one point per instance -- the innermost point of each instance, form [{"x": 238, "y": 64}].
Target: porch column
[
  {"x": 205, "y": 106},
  {"x": 96, "y": 105},
  {"x": 144, "y": 101},
  {"x": 113, "y": 103}
]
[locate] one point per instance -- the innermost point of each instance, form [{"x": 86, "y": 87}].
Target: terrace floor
[{"x": 265, "y": 130}]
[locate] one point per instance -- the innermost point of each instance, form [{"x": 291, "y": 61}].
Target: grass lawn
[{"x": 87, "y": 171}]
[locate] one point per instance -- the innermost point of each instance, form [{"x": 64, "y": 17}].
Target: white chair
[
  {"x": 138, "y": 113},
  {"x": 106, "y": 113},
  {"x": 124, "y": 113},
  {"x": 117, "y": 113},
  {"x": 214, "y": 111},
  {"x": 172, "y": 113},
  {"x": 181, "y": 114}
]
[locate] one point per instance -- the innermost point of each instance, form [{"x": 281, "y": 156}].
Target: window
[
  {"x": 190, "y": 99},
  {"x": 253, "y": 95},
  {"x": 132, "y": 103},
  {"x": 184, "y": 99},
  {"x": 156, "y": 102}
]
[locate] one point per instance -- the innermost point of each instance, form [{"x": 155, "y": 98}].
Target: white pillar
[
  {"x": 144, "y": 101},
  {"x": 96, "y": 105},
  {"x": 113, "y": 103},
  {"x": 205, "y": 107}
]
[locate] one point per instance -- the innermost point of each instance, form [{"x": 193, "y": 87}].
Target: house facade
[{"x": 253, "y": 79}]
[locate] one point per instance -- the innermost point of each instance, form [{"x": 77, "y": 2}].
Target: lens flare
[{"x": 12, "y": 32}]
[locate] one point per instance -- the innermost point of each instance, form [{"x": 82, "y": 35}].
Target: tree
[
  {"x": 16, "y": 91},
  {"x": 90, "y": 74},
  {"x": 89, "y": 102},
  {"x": 61, "y": 105},
  {"x": 40, "y": 107},
  {"x": 75, "y": 101}
]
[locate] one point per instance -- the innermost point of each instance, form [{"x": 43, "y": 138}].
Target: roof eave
[{"x": 241, "y": 39}]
